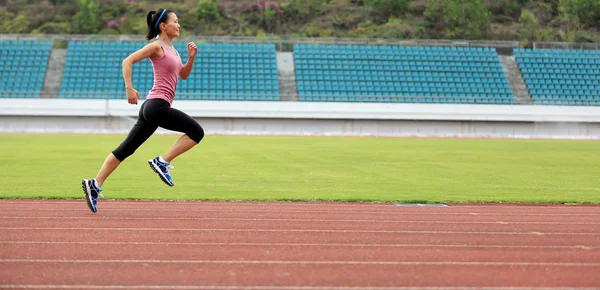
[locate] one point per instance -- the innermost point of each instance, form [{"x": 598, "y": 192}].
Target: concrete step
[
  {"x": 515, "y": 80},
  {"x": 54, "y": 73},
  {"x": 286, "y": 74}
]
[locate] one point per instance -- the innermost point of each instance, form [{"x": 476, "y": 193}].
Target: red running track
[{"x": 236, "y": 245}]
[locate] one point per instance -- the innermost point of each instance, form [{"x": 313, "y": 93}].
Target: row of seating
[
  {"x": 554, "y": 102},
  {"x": 561, "y": 62},
  {"x": 560, "y": 74},
  {"x": 395, "y": 62},
  {"x": 558, "y": 52},
  {"x": 566, "y": 71},
  {"x": 415, "y": 99},
  {"x": 396, "y": 79},
  {"x": 389, "y": 49},
  {"x": 130, "y": 46},
  {"x": 452, "y": 57},
  {"x": 399, "y": 68},
  {"x": 25, "y": 46}
]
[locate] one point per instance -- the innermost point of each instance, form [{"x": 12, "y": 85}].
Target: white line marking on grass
[
  {"x": 295, "y": 230},
  {"x": 327, "y": 211},
  {"x": 273, "y": 262},
  {"x": 337, "y": 204},
  {"x": 478, "y": 246},
  {"x": 250, "y": 204},
  {"x": 299, "y": 220}
]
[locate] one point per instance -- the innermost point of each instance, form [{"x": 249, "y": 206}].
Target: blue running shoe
[
  {"x": 162, "y": 169},
  {"x": 91, "y": 192}
]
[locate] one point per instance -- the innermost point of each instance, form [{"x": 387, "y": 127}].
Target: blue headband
[{"x": 159, "y": 17}]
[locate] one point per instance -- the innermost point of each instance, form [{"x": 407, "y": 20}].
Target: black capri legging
[{"x": 156, "y": 113}]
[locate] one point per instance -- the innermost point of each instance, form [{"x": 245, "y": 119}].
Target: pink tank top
[{"x": 166, "y": 75}]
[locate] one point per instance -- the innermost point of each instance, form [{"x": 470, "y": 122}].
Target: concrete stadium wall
[
  {"x": 311, "y": 127},
  {"x": 312, "y": 119}
]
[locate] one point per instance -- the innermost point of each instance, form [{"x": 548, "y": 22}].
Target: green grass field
[{"x": 310, "y": 168}]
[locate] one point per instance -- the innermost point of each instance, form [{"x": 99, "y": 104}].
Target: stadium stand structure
[
  {"x": 323, "y": 72},
  {"x": 23, "y": 68},
  {"x": 560, "y": 76},
  {"x": 405, "y": 74},
  {"x": 222, "y": 72}
]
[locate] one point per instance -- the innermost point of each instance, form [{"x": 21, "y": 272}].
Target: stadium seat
[
  {"x": 24, "y": 65},
  {"x": 404, "y": 74},
  {"x": 566, "y": 77},
  {"x": 245, "y": 72}
]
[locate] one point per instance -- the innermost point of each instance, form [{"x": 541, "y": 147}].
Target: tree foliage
[
  {"x": 458, "y": 19},
  {"x": 86, "y": 19},
  {"x": 12, "y": 23},
  {"x": 524, "y": 20},
  {"x": 584, "y": 12},
  {"x": 388, "y": 8},
  {"x": 207, "y": 10}
]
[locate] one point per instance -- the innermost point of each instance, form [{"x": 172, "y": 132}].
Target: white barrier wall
[{"x": 312, "y": 118}]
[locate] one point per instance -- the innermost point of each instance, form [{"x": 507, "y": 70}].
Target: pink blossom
[{"x": 112, "y": 24}]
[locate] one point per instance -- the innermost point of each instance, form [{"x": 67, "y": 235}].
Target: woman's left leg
[{"x": 176, "y": 120}]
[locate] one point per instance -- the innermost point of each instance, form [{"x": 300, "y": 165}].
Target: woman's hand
[
  {"x": 187, "y": 68},
  {"x": 192, "y": 49},
  {"x": 132, "y": 96}
]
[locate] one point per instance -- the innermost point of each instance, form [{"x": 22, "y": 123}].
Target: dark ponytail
[{"x": 154, "y": 18}]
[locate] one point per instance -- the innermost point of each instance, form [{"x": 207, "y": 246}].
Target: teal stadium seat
[
  {"x": 565, "y": 77},
  {"x": 93, "y": 70},
  {"x": 24, "y": 64},
  {"x": 221, "y": 71},
  {"x": 400, "y": 74}
]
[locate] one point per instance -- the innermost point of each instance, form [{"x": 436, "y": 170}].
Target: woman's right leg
[{"x": 141, "y": 131}]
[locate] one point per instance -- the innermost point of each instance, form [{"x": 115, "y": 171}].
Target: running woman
[{"x": 156, "y": 111}]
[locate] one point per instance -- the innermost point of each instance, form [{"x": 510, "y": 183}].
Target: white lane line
[
  {"x": 478, "y": 246},
  {"x": 285, "y": 262},
  {"x": 325, "y": 211},
  {"x": 182, "y": 287},
  {"x": 295, "y": 230},
  {"x": 298, "y": 220}
]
